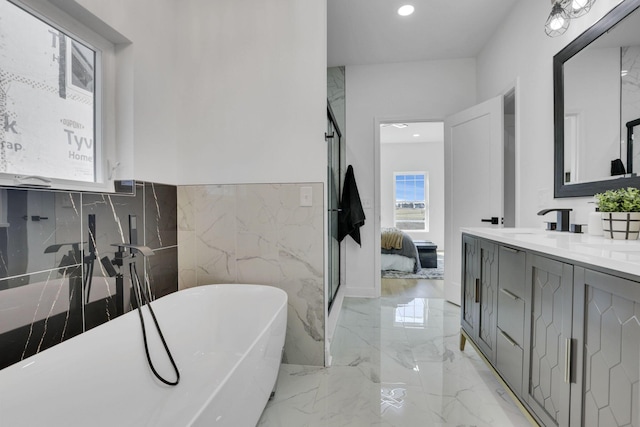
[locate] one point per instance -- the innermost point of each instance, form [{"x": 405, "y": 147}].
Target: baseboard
[{"x": 360, "y": 293}]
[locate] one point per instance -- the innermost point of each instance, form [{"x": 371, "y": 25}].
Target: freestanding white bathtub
[{"x": 226, "y": 340}]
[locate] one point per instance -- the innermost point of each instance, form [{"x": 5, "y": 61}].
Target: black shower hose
[{"x": 140, "y": 295}]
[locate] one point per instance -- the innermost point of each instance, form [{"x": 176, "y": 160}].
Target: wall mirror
[{"x": 597, "y": 106}]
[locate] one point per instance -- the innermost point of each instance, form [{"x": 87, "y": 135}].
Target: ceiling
[
  {"x": 371, "y": 32},
  {"x": 426, "y": 131}
]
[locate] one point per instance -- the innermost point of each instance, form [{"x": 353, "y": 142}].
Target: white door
[{"x": 473, "y": 141}]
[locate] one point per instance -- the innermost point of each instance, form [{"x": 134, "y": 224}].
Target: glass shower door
[{"x": 334, "y": 184}]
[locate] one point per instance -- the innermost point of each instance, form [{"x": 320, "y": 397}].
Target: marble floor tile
[{"x": 395, "y": 362}]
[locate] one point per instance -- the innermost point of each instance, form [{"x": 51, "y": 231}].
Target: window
[
  {"x": 51, "y": 100},
  {"x": 411, "y": 201}
]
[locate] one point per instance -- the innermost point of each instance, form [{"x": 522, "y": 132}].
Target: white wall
[
  {"x": 255, "y": 91},
  {"x": 520, "y": 51},
  {"x": 227, "y": 91},
  {"x": 414, "y": 157},
  {"x": 150, "y": 27},
  {"x": 425, "y": 90}
]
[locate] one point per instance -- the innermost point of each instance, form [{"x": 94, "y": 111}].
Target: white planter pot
[{"x": 621, "y": 225}]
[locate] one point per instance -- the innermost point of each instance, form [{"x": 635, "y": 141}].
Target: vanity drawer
[
  {"x": 509, "y": 361},
  {"x": 511, "y": 315},
  {"x": 511, "y": 273}
]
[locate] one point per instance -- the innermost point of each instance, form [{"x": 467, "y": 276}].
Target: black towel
[{"x": 351, "y": 216}]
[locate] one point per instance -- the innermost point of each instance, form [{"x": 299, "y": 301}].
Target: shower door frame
[{"x": 334, "y": 149}]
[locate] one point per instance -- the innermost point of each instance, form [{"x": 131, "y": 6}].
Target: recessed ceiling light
[
  {"x": 415, "y": 135},
  {"x": 406, "y": 10},
  {"x": 395, "y": 125}
]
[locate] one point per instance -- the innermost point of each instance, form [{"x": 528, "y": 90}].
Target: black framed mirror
[{"x": 596, "y": 80}]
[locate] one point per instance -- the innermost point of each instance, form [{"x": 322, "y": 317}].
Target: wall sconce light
[{"x": 562, "y": 11}]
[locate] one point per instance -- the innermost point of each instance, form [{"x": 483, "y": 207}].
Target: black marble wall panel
[
  {"x": 48, "y": 290},
  {"x": 42, "y": 313},
  {"x": 112, "y": 212},
  {"x": 39, "y": 230},
  {"x": 162, "y": 271},
  {"x": 112, "y": 217},
  {"x": 160, "y": 215}
]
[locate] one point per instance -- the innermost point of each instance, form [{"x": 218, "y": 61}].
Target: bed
[{"x": 399, "y": 253}]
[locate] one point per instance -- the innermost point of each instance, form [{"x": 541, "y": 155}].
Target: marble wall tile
[
  {"x": 258, "y": 233},
  {"x": 160, "y": 215},
  {"x": 186, "y": 258},
  {"x": 186, "y": 207},
  {"x": 102, "y": 305},
  {"x": 258, "y": 207},
  {"x": 215, "y": 225},
  {"x": 155, "y": 208},
  {"x": 112, "y": 218},
  {"x": 257, "y": 257},
  {"x": 37, "y": 233},
  {"x": 112, "y": 227},
  {"x": 162, "y": 271},
  {"x": 42, "y": 313}
]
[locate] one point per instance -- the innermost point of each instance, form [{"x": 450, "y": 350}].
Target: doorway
[
  {"x": 411, "y": 199},
  {"x": 481, "y": 175}
]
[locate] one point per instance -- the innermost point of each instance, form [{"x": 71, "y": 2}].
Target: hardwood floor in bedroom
[{"x": 415, "y": 288}]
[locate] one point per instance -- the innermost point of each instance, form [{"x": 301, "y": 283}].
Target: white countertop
[{"x": 619, "y": 255}]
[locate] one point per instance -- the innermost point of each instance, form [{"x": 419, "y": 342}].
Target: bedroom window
[{"x": 411, "y": 210}]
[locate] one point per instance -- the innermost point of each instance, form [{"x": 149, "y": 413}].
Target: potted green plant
[{"x": 620, "y": 213}]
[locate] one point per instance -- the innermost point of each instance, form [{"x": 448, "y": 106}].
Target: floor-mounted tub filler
[{"x": 227, "y": 341}]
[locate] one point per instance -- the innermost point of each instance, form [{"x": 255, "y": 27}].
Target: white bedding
[{"x": 397, "y": 262}]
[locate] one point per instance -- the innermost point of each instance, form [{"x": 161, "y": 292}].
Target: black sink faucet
[{"x": 563, "y": 217}]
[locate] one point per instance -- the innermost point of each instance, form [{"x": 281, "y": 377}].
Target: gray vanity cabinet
[
  {"x": 512, "y": 304},
  {"x": 468, "y": 303},
  {"x": 548, "y": 344},
  {"x": 566, "y": 337},
  {"x": 606, "y": 332},
  {"x": 479, "y": 293}
]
